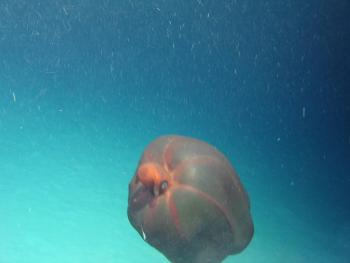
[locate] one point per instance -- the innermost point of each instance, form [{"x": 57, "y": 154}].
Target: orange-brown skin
[
  {"x": 151, "y": 175},
  {"x": 187, "y": 201}
]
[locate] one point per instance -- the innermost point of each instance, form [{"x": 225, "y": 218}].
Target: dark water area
[{"x": 86, "y": 85}]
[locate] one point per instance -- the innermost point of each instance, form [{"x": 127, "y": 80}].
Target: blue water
[{"x": 86, "y": 85}]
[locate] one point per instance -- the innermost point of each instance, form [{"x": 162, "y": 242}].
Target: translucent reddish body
[{"x": 187, "y": 201}]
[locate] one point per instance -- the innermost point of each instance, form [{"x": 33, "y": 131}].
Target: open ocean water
[{"x": 86, "y": 85}]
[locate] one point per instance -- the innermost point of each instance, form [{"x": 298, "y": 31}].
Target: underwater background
[{"x": 85, "y": 86}]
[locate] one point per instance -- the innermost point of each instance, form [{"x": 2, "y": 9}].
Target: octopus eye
[{"x": 163, "y": 186}]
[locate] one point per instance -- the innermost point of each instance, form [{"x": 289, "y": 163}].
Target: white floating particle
[
  {"x": 143, "y": 233},
  {"x": 65, "y": 10},
  {"x": 303, "y": 112},
  {"x": 14, "y": 97}
]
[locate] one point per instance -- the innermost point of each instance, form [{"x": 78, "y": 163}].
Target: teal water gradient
[{"x": 85, "y": 86}]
